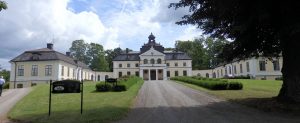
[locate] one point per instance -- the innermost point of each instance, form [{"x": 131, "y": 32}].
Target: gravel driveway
[{"x": 170, "y": 102}]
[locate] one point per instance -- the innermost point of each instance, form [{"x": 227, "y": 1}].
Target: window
[
  {"x": 241, "y": 68},
  {"x": 184, "y": 63},
  {"x": 73, "y": 73},
  {"x": 120, "y": 65},
  {"x": 128, "y": 65},
  {"x": 120, "y": 74},
  {"x": 276, "y": 65},
  {"x": 234, "y": 69},
  {"x": 262, "y": 65},
  {"x": 62, "y": 70},
  {"x": 128, "y": 73},
  {"x": 152, "y": 61},
  {"x": 48, "y": 70},
  {"x": 176, "y": 64},
  {"x": 158, "y": 61},
  {"x": 106, "y": 76},
  {"x": 145, "y": 61},
  {"x": 21, "y": 70},
  {"x": 248, "y": 66},
  {"x": 168, "y": 64},
  {"x": 184, "y": 73},
  {"x": 225, "y": 70},
  {"x": 207, "y": 75},
  {"x": 218, "y": 75},
  {"x": 34, "y": 70},
  {"x": 229, "y": 69},
  {"x": 137, "y": 73},
  {"x": 221, "y": 72},
  {"x": 68, "y": 73},
  {"x": 136, "y": 65},
  {"x": 168, "y": 73},
  {"x": 176, "y": 73},
  {"x": 98, "y": 77}
]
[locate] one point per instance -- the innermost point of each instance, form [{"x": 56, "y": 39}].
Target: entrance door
[{"x": 153, "y": 74}]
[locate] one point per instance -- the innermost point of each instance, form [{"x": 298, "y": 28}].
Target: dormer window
[{"x": 35, "y": 56}]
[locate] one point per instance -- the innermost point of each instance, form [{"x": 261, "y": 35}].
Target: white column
[
  {"x": 149, "y": 74},
  {"x": 156, "y": 75},
  {"x": 141, "y": 73},
  {"x": 165, "y": 74}
]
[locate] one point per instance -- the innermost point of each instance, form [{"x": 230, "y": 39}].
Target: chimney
[
  {"x": 50, "y": 46},
  {"x": 68, "y": 54}
]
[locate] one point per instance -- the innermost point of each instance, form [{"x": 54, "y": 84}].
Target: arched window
[
  {"x": 106, "y": 76},
  {"x": 98, "y": 77},
  {"x": 159, "y": 61},
  {"x": 145, "y": 61},
  {"x": 92, "y": 77},
  {"x": 207, "y": 75},
  {"x": 152, "y": 61}
]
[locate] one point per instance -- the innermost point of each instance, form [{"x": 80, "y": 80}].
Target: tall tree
[
  {"x": 78, "y": 51},
  {"x": 196, "y": 51},
  {"x": 3, "y": 5},
  {"x": 258, "y": 27},
  {"x": 96, "y": 55},
  {"x": 110, "y": 55},
  {"x": 214, "y": 48}
]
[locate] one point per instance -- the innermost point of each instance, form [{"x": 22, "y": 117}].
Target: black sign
[
  {"x": 66, "y": 86},
  {"x": 111, "y": 80}
]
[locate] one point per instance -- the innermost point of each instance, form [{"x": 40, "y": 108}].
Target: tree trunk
[{"x": 290, "y": 91}]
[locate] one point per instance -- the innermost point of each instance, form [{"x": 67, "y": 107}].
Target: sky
[{"x": 31, "y": 24}]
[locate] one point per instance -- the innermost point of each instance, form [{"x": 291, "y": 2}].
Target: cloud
[{"x": 30, "y": 24}]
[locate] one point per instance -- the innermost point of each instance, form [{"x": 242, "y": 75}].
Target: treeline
[{"x": 203, "y": 51}]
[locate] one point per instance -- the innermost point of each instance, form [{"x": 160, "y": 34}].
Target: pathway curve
[
  {"x": 8, "y": 99},
  {"x": 170, "y": 102}
]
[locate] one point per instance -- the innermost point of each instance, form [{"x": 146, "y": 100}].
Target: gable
[{"x": 152, "y": 52}]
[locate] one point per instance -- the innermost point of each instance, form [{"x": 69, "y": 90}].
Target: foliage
[
  {"x": 96, "y": 53},
  {"x": 110, "y": 55},
  {"x": 6, "y": 85},
  {"x": 3, "y": 5},
  {"x": 78, "y": 51},
  {"x": 213, "y": 49},
  {"x": 102, "y": 87},
  {"x": 238, "y": 77},
  {"x": 258, "y": 28},
  {"x": 5, "y": 74},
  {"x": 123, "y": 84},
  {"x": 97, "y": 107},
  {"x": 213, "y": 84}
]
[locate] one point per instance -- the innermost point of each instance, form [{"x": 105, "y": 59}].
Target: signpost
[{"x": 66, "y": 86}]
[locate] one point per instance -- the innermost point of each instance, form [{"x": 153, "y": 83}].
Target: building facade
[
  {"x": 42, "y": 65},
  {"x": 257, "y": 68},
  {"x": 152, "y": 62}
]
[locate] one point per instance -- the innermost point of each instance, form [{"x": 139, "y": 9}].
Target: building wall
[{"x": 124, "y": 69}]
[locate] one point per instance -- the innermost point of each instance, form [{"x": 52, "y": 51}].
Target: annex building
[{"x": 152, "y": 62}]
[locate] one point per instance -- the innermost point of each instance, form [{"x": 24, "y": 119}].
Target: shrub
[
  {"x": 102, "y": 87},
  {"x": 119, "y": 88},
  {"x": 6, "y": 85},
  {"x": 279, "y": 78},
  {"x": 235, "y": 86}
]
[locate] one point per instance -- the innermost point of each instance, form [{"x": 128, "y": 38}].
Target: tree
[
  {"x": 5, "y": 74},
  {"x": 3, "y": 5},
  {"x": 96, "y": 56},
  {"x": 110, "y": 55},
  {"x": 214, "y": 48},
  {"x": 78, "y": 51},
  {"x": 258, "y": 28},
  {"x": 195, "y": 49}
]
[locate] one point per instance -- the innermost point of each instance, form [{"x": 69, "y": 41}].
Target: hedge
[
  {"x": 123, "y": 84},
  {"x": 213, "y": 84}
]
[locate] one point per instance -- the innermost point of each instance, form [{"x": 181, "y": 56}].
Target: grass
[
  {"x": 97, "y": 106},
  {"x": 256, "y": 93}
]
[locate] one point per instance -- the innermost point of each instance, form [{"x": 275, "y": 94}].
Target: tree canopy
[
  {"x": 3, "y": 5},
  {"x": 258, "y": 28}
]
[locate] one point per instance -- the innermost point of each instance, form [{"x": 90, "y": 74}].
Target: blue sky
[{"x": 31, "y": 24}]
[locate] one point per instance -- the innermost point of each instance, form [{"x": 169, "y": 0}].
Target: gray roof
[
  {"x": 46, "y": 54},
  {"x": 169, "y": 56}
]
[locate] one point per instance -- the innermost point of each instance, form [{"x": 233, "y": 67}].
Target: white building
[{"x": 152, "y": 62}]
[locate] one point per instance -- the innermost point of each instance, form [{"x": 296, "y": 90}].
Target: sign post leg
[
  {"x": 81, "y": 95},
  {"x": 50, "y": 98}
]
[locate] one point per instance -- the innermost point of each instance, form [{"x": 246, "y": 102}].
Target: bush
[
  {"x": 6, "y": 85},
  {"x": 102, "y": 87},
  {"x": 279, "y": 78},
  {"x": 213, "y": 84},
  {"x": 119, "y": 88},
  {"x": 235, "y": 86}
]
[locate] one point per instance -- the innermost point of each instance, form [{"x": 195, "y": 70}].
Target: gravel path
[
  {"x": 8, "y": 99},
  {"x": 170, "y": 102}
]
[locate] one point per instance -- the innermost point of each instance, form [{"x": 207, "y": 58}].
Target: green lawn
[
  {"x": 255, "y": 93},
  {"x": 251, "y": 89},
  {"x": 97, "y": 106}
]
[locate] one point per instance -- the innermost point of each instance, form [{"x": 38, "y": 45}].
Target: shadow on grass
[
  {"x": 97, "y": 115},
  {"x": 212, "y": 112},
  {"x": 270, "y": 105}
]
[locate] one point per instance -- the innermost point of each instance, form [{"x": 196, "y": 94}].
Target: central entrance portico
[{"x": 153, "y": 73}]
